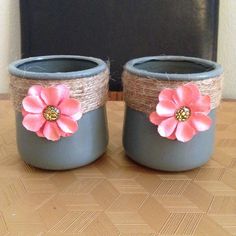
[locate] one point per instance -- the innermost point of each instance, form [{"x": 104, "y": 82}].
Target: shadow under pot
[
  {"x": 60, "y": 111},
  {"x": 170, "y": 112}
]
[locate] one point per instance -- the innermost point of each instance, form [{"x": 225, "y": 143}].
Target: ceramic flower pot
[
  {"x": 60, "y": 110},
  {"x": 170, "y": 113}
]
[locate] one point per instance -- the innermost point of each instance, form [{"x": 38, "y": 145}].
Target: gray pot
[
  {"x": 141, "y": 140},
  {"x": 84, "y": 146}
]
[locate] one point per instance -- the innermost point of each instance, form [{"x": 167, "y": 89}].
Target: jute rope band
[
  {"x": 141, "y": 93},
  {"x": 92, "y": 91}
]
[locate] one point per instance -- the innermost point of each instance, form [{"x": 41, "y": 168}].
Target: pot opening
[
  {"x": 173, "y": 66},
  {"x": 57, "y": 65}
]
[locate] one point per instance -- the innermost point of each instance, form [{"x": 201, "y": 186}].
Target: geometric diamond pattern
[{"x": 115, "y": 196}]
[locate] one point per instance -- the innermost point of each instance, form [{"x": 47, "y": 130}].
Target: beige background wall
[
  {"x": 10, "y": 42},
  {"x": 9, "y": 38},
  {"x": 227, "y": 45}
]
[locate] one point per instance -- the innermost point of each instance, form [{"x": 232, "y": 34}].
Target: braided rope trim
[
  {"x": 141, "y": 93},
  {"x": 92, "y": 91}
]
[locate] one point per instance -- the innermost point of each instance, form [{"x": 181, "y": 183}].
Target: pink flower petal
[
  {"x": 67, "y": 124},
  {"x": 63, "y": 134},
  {"x": 182, "y": 96},
  {"x": 194, "y": 91},
  {"x": 172, "y": 136},
  {"x": 166, "y": 108},
  {"x": 64, "y": 90},
  {"x": 35, "y": 90},
  {"x": 24, "y": 112},
  {"x": 40, "y": 133},
  {"x": 203, "y": 104},
  {"x": 70, "y": 107},
  {"x": 166, "y": 94},
  {"x": 201, "y": 122},
  {"x": 184, "y": 131},
  {"x": 155, "y": 118},
  {"x": 77, "y": 116},
  {"x": 51, "y": 131},
  {"x": 33, "y": 122},
  {"x": 33, "y": 104},
  {"x": 52, "y": 95},
  {"x": 167, "y": 127}
]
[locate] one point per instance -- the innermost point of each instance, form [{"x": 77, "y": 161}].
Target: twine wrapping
[
  {"x": 141, "y": 93},
  {"x": 92, "y": 91}
]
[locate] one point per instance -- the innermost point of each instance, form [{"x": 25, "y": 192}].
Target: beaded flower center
[
  {"x": 183, "y": 113},
  {"x": 51, "y": 113}
]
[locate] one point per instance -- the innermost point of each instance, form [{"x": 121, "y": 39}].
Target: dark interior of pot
[
  {"x": 56, "y": 65},
  {"x": 173, "y": 67}
]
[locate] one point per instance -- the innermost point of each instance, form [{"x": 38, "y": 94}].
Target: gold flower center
[
  {"x": 183, "y": 113},
  {"x": 51, "y": 113}
]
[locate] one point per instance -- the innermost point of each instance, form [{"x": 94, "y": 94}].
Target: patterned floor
[{"x": 114, "y": 196}]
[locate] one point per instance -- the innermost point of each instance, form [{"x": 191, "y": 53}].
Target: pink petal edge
[
  {"x": 52, "y": 95},
  {"x": 166, "y": 94},
  {"x": 77, "y": 116},
  {"x": 64, "y": 90},
  {"x": 67, "y": 124},
  {"x": 194, "y": 91},
  {"x": 167, "y": 127},
  {"x": 33, "y": 122},
  {"x": 40, "y": 133},
  {"x": 172, "y": 136},
  {"x": 183, "y": 96},
  {"x": 33, "y": 104},
  {"x": 166, "y": 108},
  {"x": 202, "y": 105},
  {"x": 51, "y": 131},
  {"x": 24, "y": 112},
  {"x": 155, "y": 118},
  {"x": 70, "y": 107},
  {"x": 35, "y": 90},
  {"x": 184, "y": 131},
  {"x": 201, "y": 122}
]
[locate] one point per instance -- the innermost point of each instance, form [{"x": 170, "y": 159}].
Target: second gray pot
[{"x": 141, "y": 141}]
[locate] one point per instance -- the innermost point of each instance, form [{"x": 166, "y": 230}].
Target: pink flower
[
  {"x": 181, "y": 113},
  {"x": 50, "y": 112}
]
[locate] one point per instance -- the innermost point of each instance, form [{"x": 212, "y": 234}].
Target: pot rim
[
  {"x": 216, "y": 68},
  {"x": 97, "y": 69}
]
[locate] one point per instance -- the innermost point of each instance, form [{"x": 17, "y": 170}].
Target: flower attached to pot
[
  {"x": 181, "y": 113},
  {"x": 50, "y": 112}
]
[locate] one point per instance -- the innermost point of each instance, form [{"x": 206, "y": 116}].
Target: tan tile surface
[{"x": 114, "y": 196}]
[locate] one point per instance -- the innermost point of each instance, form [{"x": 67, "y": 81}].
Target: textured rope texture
[
  {"x": 92, "y": 92},
  {"x": 141, "y": 93}
]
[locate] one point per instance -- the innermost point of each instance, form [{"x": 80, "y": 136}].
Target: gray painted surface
[
  {"x": 63, "y": 67},
  {"x": 163, "y": 67},
  {"x": 83, "y": 147},
  {"x": 141, "y": 140},
  {"x": 144, "y": 145}
]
